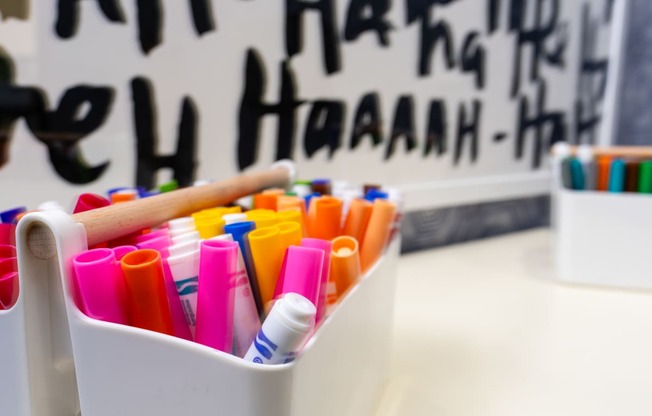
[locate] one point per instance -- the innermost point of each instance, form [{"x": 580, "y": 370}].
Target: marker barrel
[
  {"x": 8, "y": 282},
  {"x": 357, "y": 218},
  {"x": 325, "y": 218},
  {"x": 326, "y": 247},
  {"x": 284, "y": 331},
  {"x": 345, "y": 263},
  {"x": 377, "y": 233},
  {"x": 184, "y": 269},
  {"x": 302, "y": 274},
  {"x": 217, "y": 273},
  {"x": 267, "y": 254}
]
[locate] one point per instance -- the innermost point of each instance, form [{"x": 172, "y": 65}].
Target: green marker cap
[
  {"x": 645, "y": 177},
  {"x": 169, "y": 186}
]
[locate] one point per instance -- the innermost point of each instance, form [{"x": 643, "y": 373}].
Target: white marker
[
  {"x": 284, "y": 331},
  {"x": 185, "y": 271}
]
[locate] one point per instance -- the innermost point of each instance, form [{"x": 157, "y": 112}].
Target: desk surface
[{"x": 481, "y": 329}]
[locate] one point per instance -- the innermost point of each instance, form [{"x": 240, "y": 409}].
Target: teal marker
[
  {"x": 617, "y": 176},
  {"x": 577, "y": 174}
]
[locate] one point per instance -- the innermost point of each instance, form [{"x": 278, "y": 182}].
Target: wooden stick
[
  {"x": 620, "y": 151},
  {"x": 114, "y": 221}
]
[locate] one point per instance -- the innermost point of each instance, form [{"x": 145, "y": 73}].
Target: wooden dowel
[
  {"x": 620, "y": 151},
  {"x": 114, "y": 221}
]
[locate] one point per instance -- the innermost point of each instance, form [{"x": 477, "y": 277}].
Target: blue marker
[
  {"x": 577, "y": 174},
  {"x": 239, "y": 231},
  {"x": 617, "y": 176},
  {"x": 8, "y": 216},
  {"x": 374, "y": 194},
  {"x": 309, "y": 197}
]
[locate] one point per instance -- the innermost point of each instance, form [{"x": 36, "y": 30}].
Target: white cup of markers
[{"x": 254, "y": 283}]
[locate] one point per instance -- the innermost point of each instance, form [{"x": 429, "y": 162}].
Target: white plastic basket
[{"x": 123, "y": 370}]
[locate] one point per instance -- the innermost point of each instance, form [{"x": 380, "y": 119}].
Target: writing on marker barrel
[
  {"x": 285, "y": 330},
  {"x": 184, "y": 269}
]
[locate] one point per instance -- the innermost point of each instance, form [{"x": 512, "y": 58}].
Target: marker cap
[
  {"x": 87, "y": 202},
  {"x": 208, "y": 228},
  {"x": 233, "y": 218},
  {"x": 326, "y": 247},
  {"x": 152, "y": 235},
  {"x": 345, "y": 263},
  {"x": 377, "y": 232},
  {"x": 100, "y": 285},
  {"x": 122, "y": 251},
  {"x": 265, "y": 201},
  {"x": 262, "y": 217},
  {"x": 159, "y": 244},
  {"x": 146, "y": 292},
  {"x": 182, "y": 223},
  {"x": 215, "y": 299},
  {"x": 185, "y": 247},
  {"x": 193, "y": 235},
  {"x": 325, "y": 218},
  {"x": 7, "y": 234},
  {"x": 267, "y": 253},
  {"x": 8, "y": 282},
  {"x": 290, "y": 233},
  {"x": 303, "y": 271}
]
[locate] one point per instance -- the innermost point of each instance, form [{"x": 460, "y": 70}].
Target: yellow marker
[
  {"x": 291, "y": 234},
  {"x": 267, "y": 254},
  {"x": 262, "y": 217},
  {"x": 290, "y": 215},
  {"x": 210, "y": 227},
  {"x": 232, "y": 210}
]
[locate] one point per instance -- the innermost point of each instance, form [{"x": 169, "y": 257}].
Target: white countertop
[{"x": 482, "y": 329}]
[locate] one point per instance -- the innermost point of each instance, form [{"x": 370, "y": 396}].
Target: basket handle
[{"x": 122, "y": 219}]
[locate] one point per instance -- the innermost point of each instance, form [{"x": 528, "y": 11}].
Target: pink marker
[
  {"x": 217, "y": 270},
  {"x": 326, "y": 246},
  {"x": 159, "y": 244},
  {"x": 303, "y": 271},
  {"x": 100, "y": 286},
  {"x": 87, "y": 202},
  {"x": 8, "y": 290},
  {"x": 121, "y": 251},
  {"x": 8, "y": 234},
  {"x": 154, "y": 234}
]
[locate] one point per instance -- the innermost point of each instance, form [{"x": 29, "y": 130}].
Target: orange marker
[
  {"x": 357, "y": 219},
  {"x": 265, "y": 201},
  {"x": 147, "y": 299},
  {"x": 345, "y": 263},
  {"x": 274, "y": 191},
  {"x": 604, "y": 164},
  {"x": 123, "y": 196},
  {"x": 267, "y": 253},
  {"x": 377, "y": 233},
  {"x": 324, "y": 217}
]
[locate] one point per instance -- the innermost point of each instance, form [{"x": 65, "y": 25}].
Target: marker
[
  {"x": 9, "y": 216},
  {"x": 265, "y": 201},
  {"x": 290, "y": 233},
  {"x": 262, "y": 217},
  {"x": 345, "y": 264},
  {"x": 233, "y": 210},
  {"x": 585, "y": 156},
  {"x": 284, "y": 332},
  {"x": 100, "y": 285},
  {"x": 302, "y": 188},
  {"x": 291, "y": 216},
  {"x": 322, "y": 186},
  {"x": 210, "y": 228},
  {"x": 185, "y": 247},
  {"x": 326, "y": 247},
  {"x": 159, "y": 244},
  {"x": 125, "y": 195},
  {"x": 180, "y": 326},
  {"x": 286, "y": 203},
  {"x": 147, "y": 300},
  {"x": 375, "y": 194},
  {"x": 169, "y": 186},
  {"x": 357, "y": 219},
  {"x": 325, "y": 218},
  {"x": 246, "y": 320},
  {"x": 267, "y": 253},
  {"x": 377, "y": 233},
  {"x": 233, "y": 218},
  {"x": 308, "y": 198},
  {"x": 7, "y": 251},
  {"x": 181, "y": 225},
  {"x": 87, "y": 202},
  {"x": 566, "y": 177},
  {"x": 603, "y": 166},
  {"x": 122, "y": 251},
  {"x": 302, "y": 274},
  {"x": 184, "y": 269},
  {"x": 617, "y": 176},
  {"x": 645, "y": 177},
  {"x": 370, "y": 187},
  {"x": 8, "y": 234},
  {"x": 217, "y": 273},
  {"x": 189, "y": 236},
  {"x": 631, "y": 175},
  {"x": 8, "y": 282},
  {"x": 152, "y": 235},
  {"x": 577, "y": 174},
  {"x": 240, "y": 231}
]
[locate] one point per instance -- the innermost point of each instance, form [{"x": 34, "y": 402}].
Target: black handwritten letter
[
  {"x": 324, "y": 127},
  {"x": 294, "y": 10},
  {"x": 540, "y": 121},
  {"x": 403, "y": 126},
  {"x": 356, "y": 23},
  {"x": 61, "y": 130},
  {"x": 367, "y": 121},
  {"x": 473, "y": 58},
  {"x": 252, "y": 109},
  {"x": 467, "y": 128},
  {"x": 183, "y": 163},
  {"x": 437, "y": 132},
  {"x": 68, "y": 15}
]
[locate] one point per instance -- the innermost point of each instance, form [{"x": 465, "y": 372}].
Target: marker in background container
[
  {"x": 322, "y": 186},
  {"x": 603, "y": 167},
  {"x": 357, "y": 219},
  {"x": 184, "y": 269},
  {"x": 325, "y": 218},
  {"x": 147, "y": 299},
  {"x": 577, "y": 174},
  {"x": 345, "y": 263},
  {"x": 100, "y": 286},
  {"x": 284, "y": 332},
  {"x": 326, "y": 247},
  {"x": 585, "y": 156},
  {"x": 566, "y": 176},
  {"x": 631, "y": 175},
  {"x": 617, "y": 176},
  {"x": 9, "y": 216},
  {"x": 217, "y": 274},
  {"x": 645, "y": 177}
]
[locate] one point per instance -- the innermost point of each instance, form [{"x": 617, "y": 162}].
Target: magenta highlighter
[
  {"x": 154, "y": 234},
  {"x": 217, "y": 271},
  {"x": 159, "y": 244},
  {"x": 122, "y": 251},
  {"x": 303, "y": 271},
  {"x": 100, "y": 286},
  {"x": 326, "y": 246}
]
